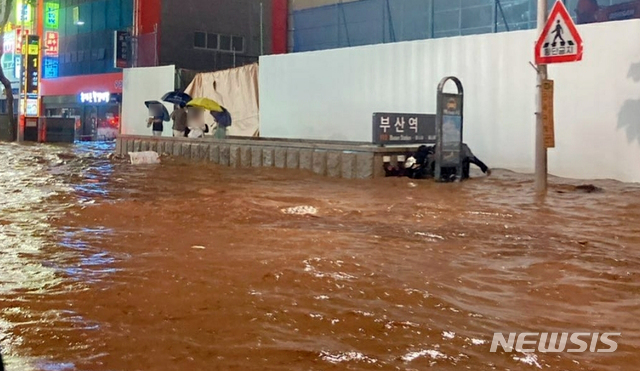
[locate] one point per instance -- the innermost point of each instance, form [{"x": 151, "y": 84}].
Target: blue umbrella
[
  {"x": 222, "y": 118},
  {"x": 157, "y": 105},
  {"x": 177, "y": 97}
]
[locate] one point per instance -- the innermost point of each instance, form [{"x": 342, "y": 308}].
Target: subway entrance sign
[
  {"x": 403, "y": 128},
  {"x": 449, "y": 125},
  {"x": 560, "y": 41}
]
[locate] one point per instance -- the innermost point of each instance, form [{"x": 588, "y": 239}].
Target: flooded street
[{"x": 193, "y": 266}]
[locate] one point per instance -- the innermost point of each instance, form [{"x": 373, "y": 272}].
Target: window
[
  {"x": 212, "y": 41},
  {"x": 238, "y": 44},
  {"x": 225, "y": 42},
  {"x": 200, "y": 40}
]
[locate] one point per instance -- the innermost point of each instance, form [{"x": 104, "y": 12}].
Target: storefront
[{"x": 93, "y": 100}]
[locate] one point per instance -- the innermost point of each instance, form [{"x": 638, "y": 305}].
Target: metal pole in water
[{"x": 541, "y": 150}]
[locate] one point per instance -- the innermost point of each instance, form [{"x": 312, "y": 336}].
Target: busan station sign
[{"x": 95, "y": 97}]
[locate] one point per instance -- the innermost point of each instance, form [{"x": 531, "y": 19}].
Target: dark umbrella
[
  {"x": 155, "y": 103},
  {"x": 222, "y": 118},
  {"x": 177, "y": 97}
]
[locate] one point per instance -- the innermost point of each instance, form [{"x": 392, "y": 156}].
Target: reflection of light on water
[{"x": 31, "y": 262}]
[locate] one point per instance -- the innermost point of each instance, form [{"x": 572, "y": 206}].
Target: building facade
[
  {"x": 80, "y": 79},
  {"x": 326, "y": 24}
]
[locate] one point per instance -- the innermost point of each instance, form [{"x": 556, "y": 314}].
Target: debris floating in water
[
  {"x": 300, "y": 210},
  {"x": 198, "y": 247},
  {"x": 147, "y": 157}
]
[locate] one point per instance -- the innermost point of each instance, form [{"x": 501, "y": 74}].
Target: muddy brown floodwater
[{"x": 191, "y": 266}]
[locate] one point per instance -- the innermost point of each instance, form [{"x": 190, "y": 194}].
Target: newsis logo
[{"x": 554, "y": 342}]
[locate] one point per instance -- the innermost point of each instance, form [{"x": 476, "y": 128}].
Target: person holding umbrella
[
  {"x": 179, "y": 117},
  {"x": 179, "y": 114},
  {"x": 219, "y": 113},
  {"x": 157, "y": 115}
]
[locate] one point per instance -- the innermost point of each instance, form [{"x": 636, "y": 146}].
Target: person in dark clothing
[
  {"x": 415, "y": 165},
  {"x": 422, "y": 165},
  {"x": 467, "y": 159},
  {"x": 156, "y": 121}
]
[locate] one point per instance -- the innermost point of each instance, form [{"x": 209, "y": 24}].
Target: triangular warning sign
[{"x": 560, "y": 41}]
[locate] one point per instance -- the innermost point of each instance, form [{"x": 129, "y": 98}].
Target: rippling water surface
[{"x": 192, "y": 266}]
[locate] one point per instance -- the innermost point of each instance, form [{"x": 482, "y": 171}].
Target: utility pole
[{"x": 541, "y": 150}]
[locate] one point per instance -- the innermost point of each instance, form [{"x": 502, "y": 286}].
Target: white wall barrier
[
  {"x": 332, "y": 95},
  {"x": 140, "y": 85}
]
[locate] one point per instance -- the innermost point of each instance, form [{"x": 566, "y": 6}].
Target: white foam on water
[
  {"x": 346, "y": 357},
  {"x": 448, "y": 335},
  {"x": 300, "y": 210},
  {"x": 476, "y": 341},
  {"x": 338, "y": 276},
  {"x": 529, "y": 359},
  {"x": 429, "y": 235},
  {"x": 434, "y": 354},
  {"x": 424, "y": 294}
]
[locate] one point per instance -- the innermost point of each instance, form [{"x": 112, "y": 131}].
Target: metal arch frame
[{"x": 439, "y": 123}]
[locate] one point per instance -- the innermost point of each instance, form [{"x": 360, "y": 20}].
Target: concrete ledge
[
  {"x": 214, "y": 153},
  {"x": 348, "y": 165},
  {"x": 320, "y": 162},
  {"x": 256, "y": 156},
  {"x": 293, "y": 158},
  {"x": 245, "y": 156},
  {"x": 225, "y": 155},
  {"x": 280, "y": 157},
  {"x": 334, "y": 168},
  {"x": 306, "y": 159},
  {"x": 267, "y": 157},
  {"x": 334, "y": 159},
  {"x": 234, "y": 156}
]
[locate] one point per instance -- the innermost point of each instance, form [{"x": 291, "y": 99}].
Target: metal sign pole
[
  {"x": 449, "y": 125},
  {"x": 541, "y": 150}
]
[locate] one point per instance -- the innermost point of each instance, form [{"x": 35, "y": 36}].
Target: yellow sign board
[
  {"x": 547, "y": 114},
  {"x": 34, "y": 49}
]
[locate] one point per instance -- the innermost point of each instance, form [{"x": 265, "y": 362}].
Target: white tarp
[
  {"x": 235, "y": 89},
  {"x": 140, "y": 85},
  {"x": 332, "y": 95}
]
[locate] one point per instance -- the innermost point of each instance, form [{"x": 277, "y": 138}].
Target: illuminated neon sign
[
  {"x": 24, "y": 13},
  {"x": 51, "y": 43},
  {"x": 50, "y": 66},
  {"x": 95, "y": 97},
  {"x": 52, "y": 18}
]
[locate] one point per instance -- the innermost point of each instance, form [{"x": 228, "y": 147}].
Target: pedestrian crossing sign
[{"x": 560, "y": 41}]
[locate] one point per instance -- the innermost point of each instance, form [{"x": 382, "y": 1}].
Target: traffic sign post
[{"x": 559, "y": 42}]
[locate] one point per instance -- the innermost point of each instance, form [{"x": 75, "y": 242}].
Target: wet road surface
[{"x": 192, "y": 266}]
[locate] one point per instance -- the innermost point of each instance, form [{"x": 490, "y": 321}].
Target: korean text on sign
[
  {"x": 51, "y": 43},
  {"x": 558, "y": 50},
  {"x": 399, "y": 125}
]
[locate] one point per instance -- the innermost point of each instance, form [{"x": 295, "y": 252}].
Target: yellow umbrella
[{"x": 206, "y": 103}]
